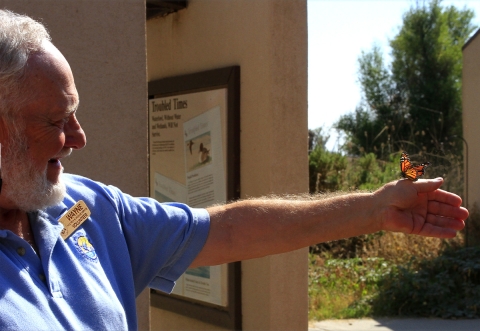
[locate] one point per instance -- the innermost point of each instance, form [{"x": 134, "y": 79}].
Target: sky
[{"x": 338, "y": 31}]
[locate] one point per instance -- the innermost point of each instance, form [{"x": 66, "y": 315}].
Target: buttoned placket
[
  {"x": 47, "y": 233},
  {"x": 25, "y": 256}
]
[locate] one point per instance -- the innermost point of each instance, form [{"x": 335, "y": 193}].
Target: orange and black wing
[
  {"x": 409, "y": 170},
  {"x": 420, "y": 169},
  {"x": 405, "y": 163}
]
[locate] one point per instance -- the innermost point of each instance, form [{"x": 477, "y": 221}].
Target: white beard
[{"x": 24, "y": 185}]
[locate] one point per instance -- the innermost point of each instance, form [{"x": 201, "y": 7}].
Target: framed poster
[{"x": 194, "y": 158}]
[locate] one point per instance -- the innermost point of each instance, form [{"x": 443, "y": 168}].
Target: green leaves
[
  {"x": 446, "y": 287},
  {"x": 332, "y": 171},
  {"x": 414, "y": 103},
  {"x": 346, "y": 284}
]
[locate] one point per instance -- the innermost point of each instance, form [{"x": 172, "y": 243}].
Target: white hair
[{"x": 20, "y": 36}]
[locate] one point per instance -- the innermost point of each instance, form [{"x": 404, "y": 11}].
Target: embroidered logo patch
[{"x": 84, "y": 246}]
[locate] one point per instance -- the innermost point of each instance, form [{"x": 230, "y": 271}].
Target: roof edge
[{"x": 471, "y": 39}]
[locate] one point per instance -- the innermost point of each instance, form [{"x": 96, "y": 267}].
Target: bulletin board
[{"x": 194, "y": 158}]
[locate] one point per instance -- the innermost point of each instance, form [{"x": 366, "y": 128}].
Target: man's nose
[{"x": 74, "y": 136}]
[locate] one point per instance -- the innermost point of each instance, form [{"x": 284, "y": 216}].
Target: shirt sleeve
[{"x": 163, "y": 239}]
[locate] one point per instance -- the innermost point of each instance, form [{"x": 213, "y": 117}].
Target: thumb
[{"x": 428, "y": 185}]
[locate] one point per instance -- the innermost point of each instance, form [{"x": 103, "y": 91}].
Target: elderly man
[{"x": 87, "y": 276}]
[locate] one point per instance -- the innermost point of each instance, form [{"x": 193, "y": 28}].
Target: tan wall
[
  {"x": 471, "y": 123},
  {"x": 104, "y": 42},
  {"x": 268, "y": 39}
]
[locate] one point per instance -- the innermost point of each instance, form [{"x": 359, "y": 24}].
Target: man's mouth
[{"x": 56, "y": 159}]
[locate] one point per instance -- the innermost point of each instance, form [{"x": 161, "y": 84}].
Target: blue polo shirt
[{"x": 90, "y": 280}]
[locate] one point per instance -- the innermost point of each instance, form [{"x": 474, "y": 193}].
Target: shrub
[{"x": 447, "y": 287}]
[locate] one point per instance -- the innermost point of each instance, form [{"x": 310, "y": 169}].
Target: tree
[
  {"x": 317, "y": 138},
  {"x": 325, "y": 167},
  {"x": 415, "y": 103}
]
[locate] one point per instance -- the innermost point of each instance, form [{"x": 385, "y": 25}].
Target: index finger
[{"x": 445, "y": 197}]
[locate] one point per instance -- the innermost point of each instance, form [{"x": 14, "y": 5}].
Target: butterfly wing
[
  {"x": 420, "y": 169},
  {"x": 405, "y": 163},
  {"x": 409, "y": 170},
  {"x": 411, "y": 174}
]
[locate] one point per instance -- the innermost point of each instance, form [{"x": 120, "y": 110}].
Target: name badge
[{"x": 73, "y": 218}]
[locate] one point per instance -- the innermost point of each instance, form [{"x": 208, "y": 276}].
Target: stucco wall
[
  {"x": 471, "y": 123},
  {"x": 268, "y": 39},
  {"x": 104, "y": 42}
]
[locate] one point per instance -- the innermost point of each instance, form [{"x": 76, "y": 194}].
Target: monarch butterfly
[{"x": 409, "y": 170}]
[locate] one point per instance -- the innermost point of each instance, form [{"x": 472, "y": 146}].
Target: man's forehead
[
  {"x": 48, "y": 63},
  {"x": 49, "y": 79},
  {"x": 47, "y": 57}
]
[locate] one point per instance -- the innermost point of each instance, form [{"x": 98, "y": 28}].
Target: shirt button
[
  {"x": 42, "y": 277},
  {"x": 21, "y": 251}
]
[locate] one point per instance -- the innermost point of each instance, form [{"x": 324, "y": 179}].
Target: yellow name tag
[{"x": 73, "y": 218}]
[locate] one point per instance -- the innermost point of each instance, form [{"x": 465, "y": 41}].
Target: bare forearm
[{"x": 256, "y": 228}]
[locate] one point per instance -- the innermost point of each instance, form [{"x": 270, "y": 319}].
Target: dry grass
[
  {"x": 395, "y": 247},
  {"x": 399, "y": 248}
]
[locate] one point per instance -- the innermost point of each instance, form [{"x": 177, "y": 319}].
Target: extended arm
[{"x": 256, "y": 228}]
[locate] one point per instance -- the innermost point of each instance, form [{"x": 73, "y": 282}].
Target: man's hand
[{"x": 421, "y": 208}]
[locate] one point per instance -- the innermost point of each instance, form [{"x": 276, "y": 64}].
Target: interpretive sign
[{"x": 194, "y": 159}]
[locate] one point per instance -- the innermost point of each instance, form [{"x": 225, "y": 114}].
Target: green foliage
[
  {"x": 415, "y": 103},
  {"x": 345, "y": 283},
  {"x": 326, "y": 170},
  {"x": 332, "y": 171},
  {"x": 432, "y": 282},
  {"x": 446, "y": 287},
  {"x": 317, "y": 139},
  {"x": 368, "y": 173}
]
